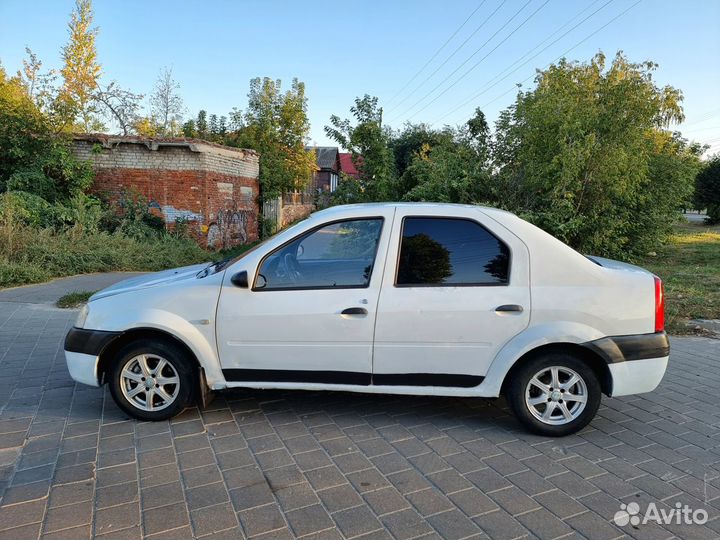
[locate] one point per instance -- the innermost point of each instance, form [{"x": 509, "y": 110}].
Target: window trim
[
  {"x": 446, "y": 285},
  {"x": 308, "y": 233}
]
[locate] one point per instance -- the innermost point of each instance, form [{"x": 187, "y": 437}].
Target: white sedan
[{"x": 423, "y": 299}]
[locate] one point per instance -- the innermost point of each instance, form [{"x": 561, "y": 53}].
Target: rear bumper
[
  {"x": 616, "y": 349},
  {"x": 637, "y": 363},
  {"x": 82, "y": 353},
  {"x": 637, "y": 377}
]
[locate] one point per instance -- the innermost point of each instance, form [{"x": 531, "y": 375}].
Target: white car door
[
  {"x": 455, "y": 291},
  {"x": 308, "y": 315}
]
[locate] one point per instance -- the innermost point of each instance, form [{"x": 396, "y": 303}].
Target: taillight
[{"x": 659, "y": 305}]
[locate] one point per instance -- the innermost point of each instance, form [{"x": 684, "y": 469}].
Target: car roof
[{"x": 374, "y": 205}]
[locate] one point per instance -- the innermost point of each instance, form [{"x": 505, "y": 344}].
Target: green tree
[
  {"x": 81, "y": 70},
  {"x": 189, "y": 128},
  {"x": 201, "y": 125},
  {"x": 276, "y": 125},
  {"x": 24, "y": 133},
  {"x": 452, "y": 167},
  {"x": 586, "y": 155},
  {"x": 32, "y": 157},
  {"x": 413, "y": 139},
  {"x": 707, "y": 189},
  {"x": 369, "y": 144}
]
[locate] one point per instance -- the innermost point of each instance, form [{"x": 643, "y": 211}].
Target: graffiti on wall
[
  {"x": 230, "y": 227},
  {"x": 173, "y": 215}
]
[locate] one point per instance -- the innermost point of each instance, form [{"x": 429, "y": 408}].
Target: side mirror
[{"x": 240, "y": 279}]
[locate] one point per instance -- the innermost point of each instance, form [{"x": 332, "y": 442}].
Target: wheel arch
[
  {"x": 596, "y": 362},
  {"x": 565, "y": 336},
  {"x": 201, "y": 391}
]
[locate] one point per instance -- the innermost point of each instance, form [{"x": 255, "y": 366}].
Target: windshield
[
  {"x": 217, "y": 266},
  {"x": 232, "y": 259}
]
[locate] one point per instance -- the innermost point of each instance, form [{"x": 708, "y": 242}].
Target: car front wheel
[
  {"x": 554, "y": 394},
  {"x": 151, "y": 380}
]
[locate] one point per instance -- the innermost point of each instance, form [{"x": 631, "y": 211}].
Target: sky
[{"x": 425, "y": 60}]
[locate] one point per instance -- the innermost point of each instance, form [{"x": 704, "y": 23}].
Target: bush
[
  {"x": 32, "y": 181},
  {"x": 130, "y": 216},
  {"x": 587, "y": 156},
  {"x": 26, "y": 208},
  {"x": 36, "y": 255},
  {"x": 13, "y": 274},
  {"x": 707, "y": 189}
]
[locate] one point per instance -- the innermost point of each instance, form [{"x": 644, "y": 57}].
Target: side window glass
[
  {"x": 338, "y": 255},
  {"x": 441, "y": 251}
]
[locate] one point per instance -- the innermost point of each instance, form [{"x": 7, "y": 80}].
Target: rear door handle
[
  {"x": 509, "y": 308},
  {"x": 354, "y": 311}
]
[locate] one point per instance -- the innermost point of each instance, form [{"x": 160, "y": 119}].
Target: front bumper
[
  {"x": 83, "y": 368},
  {"x": 82, "y": 353}
]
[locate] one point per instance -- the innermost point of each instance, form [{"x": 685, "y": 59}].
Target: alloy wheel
[
  {"x": 149, "y": 382},
  {"x": 556, "y": 395}
]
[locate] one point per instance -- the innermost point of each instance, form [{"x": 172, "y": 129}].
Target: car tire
[
  {"x": 554, "y": 394},
  {"x": 152, "y": 379}
]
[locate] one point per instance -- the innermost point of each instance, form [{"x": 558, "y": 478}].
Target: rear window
[{"x": 450, "y": 252}]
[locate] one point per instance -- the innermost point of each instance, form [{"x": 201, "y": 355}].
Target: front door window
[{"x": 339, "y": 255}]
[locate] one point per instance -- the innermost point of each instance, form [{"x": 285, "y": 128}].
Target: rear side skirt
[
  {"x": 444, "y": 391},
  {"x": 353, "y": 378}
]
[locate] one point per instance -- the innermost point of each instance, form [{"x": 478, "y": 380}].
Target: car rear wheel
[
  {"x": 152, "y": 380},
  {"x": 554, "y": 394}
]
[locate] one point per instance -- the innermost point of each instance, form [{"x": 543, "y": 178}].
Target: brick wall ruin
[{"x": 213, "y": 188}]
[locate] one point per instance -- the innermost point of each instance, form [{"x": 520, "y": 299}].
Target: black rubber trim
[
  {"x": 614, "y": 349},
  {"x": 427, "y": 379},
  {"x": 85, "y": 341},
  {"x": 351, "y": 377},
  {"x": 296, "y": 376}
]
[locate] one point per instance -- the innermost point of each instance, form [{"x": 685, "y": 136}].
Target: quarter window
[
  {"x": 443, "y": 251},
  {"x": 337, "y": 255}
]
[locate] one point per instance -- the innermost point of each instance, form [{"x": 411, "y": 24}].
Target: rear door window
[{"x": 450, "y": 252}]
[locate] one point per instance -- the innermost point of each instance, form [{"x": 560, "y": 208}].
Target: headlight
[{"x": 82, "y": 316}]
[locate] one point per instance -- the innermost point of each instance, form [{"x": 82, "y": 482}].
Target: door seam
[{"x": 379, "y": 300}]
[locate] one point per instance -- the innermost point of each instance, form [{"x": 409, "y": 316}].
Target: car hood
[{"x": 151, "y": 280}]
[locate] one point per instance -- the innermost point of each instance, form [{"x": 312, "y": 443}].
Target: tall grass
[{"x": 31, "y": 255}]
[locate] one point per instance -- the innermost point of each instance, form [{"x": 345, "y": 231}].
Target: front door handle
[
  {"x": 509, "y": 308},
  {"x": 354, "y": 311}
]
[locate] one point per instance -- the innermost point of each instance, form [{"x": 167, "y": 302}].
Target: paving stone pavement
[
  {"x": 48, "y": 293},
  {"x": 309, "y": 465}
]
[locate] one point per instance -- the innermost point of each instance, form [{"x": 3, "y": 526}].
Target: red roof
[{"x": 346, "y": 164}]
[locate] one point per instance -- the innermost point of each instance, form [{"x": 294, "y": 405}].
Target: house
[
  {"x": 347, "y": 167},
  {"x": 326, "y": 176}
]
